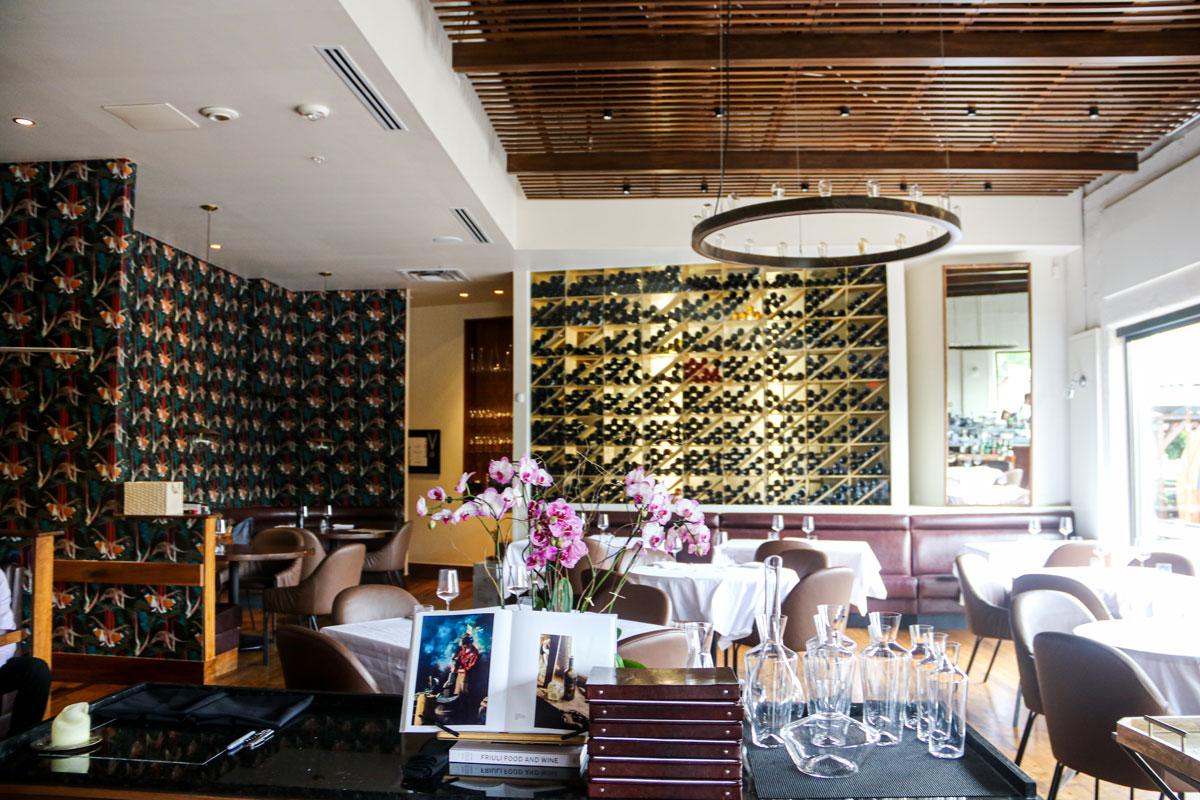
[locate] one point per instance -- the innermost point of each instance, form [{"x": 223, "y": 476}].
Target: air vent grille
[
  {"x": 471, "y": 225},
  {"x": 341, "y": 63},
  {"x": 433, "y": 275}
]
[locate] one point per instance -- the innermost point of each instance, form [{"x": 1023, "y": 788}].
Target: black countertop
[{"x": 343, "y": 747}]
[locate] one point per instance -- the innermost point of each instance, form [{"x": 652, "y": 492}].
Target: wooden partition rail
[{"x": 41, "y": 633}]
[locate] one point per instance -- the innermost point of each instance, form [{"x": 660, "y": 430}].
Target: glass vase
[
  {"x": 917, "y": 635},
  {"x": 948, "y": 710},
  {"x": 884, "y": 671},
  {"x": 774, "y": 693},
  {"x": 935, "y": 646}
]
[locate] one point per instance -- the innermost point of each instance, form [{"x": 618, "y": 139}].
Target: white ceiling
[{"x": 375, "y": 204}]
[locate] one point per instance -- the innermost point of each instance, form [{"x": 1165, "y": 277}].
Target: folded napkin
[
  {"x": 343, "y": 526},
  {"x": 168, "y": 705}
]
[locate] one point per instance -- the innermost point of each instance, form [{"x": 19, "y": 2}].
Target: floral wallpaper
[{"x": 196, "y": 375}]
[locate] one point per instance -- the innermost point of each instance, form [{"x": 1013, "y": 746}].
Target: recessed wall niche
[{"x": 737, "y": 385}]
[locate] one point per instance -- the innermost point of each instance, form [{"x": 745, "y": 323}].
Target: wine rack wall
[{"x": 738, "y": 385}]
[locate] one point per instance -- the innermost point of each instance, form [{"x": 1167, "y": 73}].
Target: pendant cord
[
  {"x": 726, "y": 111},
  {"x": 942, "y": 76}
]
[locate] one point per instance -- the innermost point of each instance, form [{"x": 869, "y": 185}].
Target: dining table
[
  {"x": 1138, "y": 592},
  {"x": 1008, "y": 558},
  {"x": 382, "y": 646},
  {"x": 1166, "y": 649},
  {"x": 856, "y": 554},
  {"x": 234, "y": 555}
]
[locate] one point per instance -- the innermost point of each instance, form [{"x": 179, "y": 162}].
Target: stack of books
[
  {"x": 665, "y": 733},
  {"x": 521, "y": 759}
]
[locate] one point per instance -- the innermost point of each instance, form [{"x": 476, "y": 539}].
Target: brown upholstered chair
[
  {"x": 986, "y": 602},
  {"x": 1086, "y": 687},
  {"x": 1062, "y": 583},
  {"x": 830, "y": 586},
  {"x": 1033, "y": 613},
  {"x": 313, "y": 596},
  {"x": 391, "y": 559},
  {"x": 779, "y": 547},
  {"x": 1073, "y": 554},
  {"x": 634, "y": 602},
  {"x": 666, "y": 648},
  {"x": 804, "y": 560},
  {"x": 309, "y": 564},
  {"x": 372, "y": 601},
  {"x": 314, "y": 662},
  {"x": 1179, "y": 563}
]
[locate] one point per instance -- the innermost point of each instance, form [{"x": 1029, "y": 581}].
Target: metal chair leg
[
  {"x": 266, "y": 636},
  {"x": 974, "y": 650},
  {"x": 1096, "y": 792},
  {"x": 312, "y": 621},
  {"x": 1025, "y": 736},
  {"x": 1017, "y": 706},
  {"x": 999, "y": 644},
  {"x": 1058, "y": 771}
]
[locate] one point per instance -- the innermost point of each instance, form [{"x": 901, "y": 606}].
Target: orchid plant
[{"x": 556, "y": 551}]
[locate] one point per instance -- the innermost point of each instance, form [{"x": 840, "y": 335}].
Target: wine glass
[
  {"x": 808, "y": 525},
  {"x": 776, "y": 526},
  {"x": 516, "y": 583},
  {"x": 447, "y": 588},
  {"x": 1141, "y": 551},
  {"x": 1035, "y": 527},
  {"x": 1065, "y": 527},
  {"x": 602, "y": 523}
]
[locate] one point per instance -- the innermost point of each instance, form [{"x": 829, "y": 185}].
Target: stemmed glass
[
  {"x": 516, "y": 583},
  {"x": 1035, "y": 527},
  {"x": 1142, "y": 551},
  {"x": 808, "y": 526},
  {"x": 1065, "y": 527},
  {"x": 447, "y": 588},
  {"x": 602, "y": 523},
  {"x": 776, "y": 526}
]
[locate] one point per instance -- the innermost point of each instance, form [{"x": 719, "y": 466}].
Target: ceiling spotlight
[
  {"x": 904, "y": 186},
  {"x": 971, "y": 111},
  {"x": 214, "y": 246},
  {"x": 317, "y": 159},
  {"x": 312, "y": 112},
  {"x": 804, "y": 186},
  {"x": 219, "y": 113},
  {"x": 704, "y": 185},
  {"x": 464, "y": 295},
  {"x": 844, "y": 111},
  {"x": 497, "y": 291},
  {"x": 447, "y": 239},
  {"x": 987, "y": 186},
  {"x": 626, "y": 188},
  {"x": 718, "y": 112},
  {"x": 24, "y": 122},
  {"x": 1093, "y": 112},
  {"x": 606, "y": 114}
]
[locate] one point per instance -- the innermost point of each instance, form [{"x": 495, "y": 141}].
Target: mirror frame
[{"x": 1028, "y": 267}]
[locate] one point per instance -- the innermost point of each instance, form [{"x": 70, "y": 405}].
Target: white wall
[{"x": 435, "y": 382}]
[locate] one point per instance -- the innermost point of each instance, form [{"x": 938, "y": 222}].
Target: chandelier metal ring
[{"x": 835, "y": 204}]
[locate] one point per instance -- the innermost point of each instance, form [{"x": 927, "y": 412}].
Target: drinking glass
[
  {"x": 697, "y": 638},
  {"x": 919, "y": 640},
  {"x": 447, "y": 588},
  {"x": 1164, "y": 566},
  {"x": 776, "y": 526},
  {"x": 883, "y": 672},
  {"x": 1035, "y": 527},
  {"x": 924, "y": 672},
  {"x": 421, "y": 609},
  {"x": 948, "y": 707},
  {"x": 516, "y": 582},
  {"x": 808, "y": 525},
  {"x": 602, "y": 523},
  {"x": 1065, "y": 527}
]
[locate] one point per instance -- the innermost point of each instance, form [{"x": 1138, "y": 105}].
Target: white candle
[
  {"x": 72, "y": 727},
  {"x": 76, "y": 764}
]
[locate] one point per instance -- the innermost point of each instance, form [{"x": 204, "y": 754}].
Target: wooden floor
[{"x": 990, "y": 704}]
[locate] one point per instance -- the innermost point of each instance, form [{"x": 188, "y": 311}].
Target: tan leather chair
[
  {"x": 1073, "y": 554},
  {"x": 1062, "y": 583},
  {"x": 986, "y": 602},
  {"x": 313, "y": 596},
  {"x": 314, "y": 662},
  {"x": 309, "y": 564},
  {"x": 778, "y": 547},
  {"x": 1086, "y": 687},
  {"x": 1179, "y": 564},
  {"x": 655, "y": 649},
  {"x": 633, "y": 602},
  {"x": 804, "y": 560},
  {"x": 391, "y": 559},
  {"x": 1033, "y": 613},
  {"x": 372, "y": 601},
  {"x": 830, "y": 586}
]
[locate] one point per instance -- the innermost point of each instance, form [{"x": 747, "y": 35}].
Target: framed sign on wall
[{"x": 425, "y": 451}]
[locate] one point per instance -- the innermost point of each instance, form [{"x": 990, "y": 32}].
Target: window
[{"x": 1163, "y": 375}]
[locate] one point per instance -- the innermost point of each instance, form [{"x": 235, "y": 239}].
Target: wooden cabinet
[{"x": 488, "y": 403}]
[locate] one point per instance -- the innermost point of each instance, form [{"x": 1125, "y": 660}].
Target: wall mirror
[{"x": 989, "y": 384}]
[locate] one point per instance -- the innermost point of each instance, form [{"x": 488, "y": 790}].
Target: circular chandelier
[{"x": 941, "y": 219}]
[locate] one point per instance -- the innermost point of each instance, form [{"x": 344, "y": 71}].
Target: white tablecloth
[
  {"x": 1139, "y": 592},
  {"x": 1009, "y": 558},
  {"x": 1168, "y": 651},
  {"x": 600, "y": 548},
  {"x": 727, "y": 596},
  {"x": 853, "y": 553},
  {"x": 382, "y": 646}
]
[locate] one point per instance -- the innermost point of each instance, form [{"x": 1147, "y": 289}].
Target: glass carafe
[
  {"x": 917, "y": 635},
  {"x": 935, "y": 646},
  {"x": 948, "y": 710},
  {"x": 835, "y": 617},
  {"x": 884, "y": 671},
  {"x": 774, "y": 693},
  {"x": 828, "y": 671},
  {"x": 699, "y": 656}
]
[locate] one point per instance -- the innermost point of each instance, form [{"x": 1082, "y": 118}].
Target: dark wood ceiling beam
[
  {"x": 775, "y": 161},
  {"x": 976, "y": 48}
]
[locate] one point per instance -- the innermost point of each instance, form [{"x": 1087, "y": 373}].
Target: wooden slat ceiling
[{"x": 998, "y": 94}]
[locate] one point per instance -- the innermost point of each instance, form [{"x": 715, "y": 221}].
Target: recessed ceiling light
[
  {"x": 1093, "y": 112},
  {"x": 313, "y": 112},
  {"x": 606, "y": 114},
  {"x": 214, "y": 246},
  {"x": 987, "y": 186},
  {"x": 317, "y": 159},
  {"x": 497, "y": 291},
  {"x": 447, "y": 240},
  {"x": 464, "y": 295},
  {"x": 24, "y": 122},
  {"x": 626, "y": 188},
  {"x": 844, "y": 111},
  {"x": 718, "y": 112},
  {"x": 971, "y": 111},
  {"x": 219, "y": 113}
]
